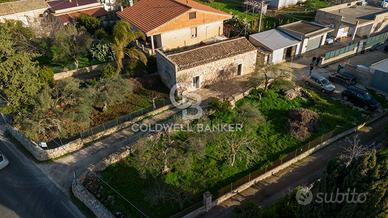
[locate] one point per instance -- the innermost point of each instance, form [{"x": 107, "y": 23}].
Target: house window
[
  {"x": 239, "y": 69},
  {"x": 194, "y": 32},
  {"x": 192, "y": 15},
  {"x": 196, "y": 82}
]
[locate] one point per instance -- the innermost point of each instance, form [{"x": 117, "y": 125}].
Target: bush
[
  {"x": 108, "y": 71},
  {"x": 46, "y": 76},
  {"x": 102, "y": 52},
  {"x": 89, "y": 22},
  {"x": 101, "y": 34},
  {"x": 283, "y": 85},
  {"x": 302, "y": 122}
]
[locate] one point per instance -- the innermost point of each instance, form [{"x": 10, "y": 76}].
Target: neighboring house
[
  {"x": 353, "y": 19},
  {"x": 380, "y": 75},
  {"x": 278, "y": 4},
  {"x": 65, "y": 11},
  {"x": 26, "y": 11},
  {"x": 207, "y": 64},
  {"x": 290, "y": 40},
  {"x": 311, "y": 35},
  {"x": 279, "y": 45},
  {"x": 170, "y": 24}
]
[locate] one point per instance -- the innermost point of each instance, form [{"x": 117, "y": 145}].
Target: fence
[
  {"x": 107, "y": 125},
  {"x": 252, "y": 175},
  {"x": 354, "y": 48}
]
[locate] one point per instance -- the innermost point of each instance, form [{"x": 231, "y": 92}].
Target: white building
[{"x": 26, "y": 11}]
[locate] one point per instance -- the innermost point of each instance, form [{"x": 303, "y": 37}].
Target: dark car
[
  {"x": 360, "y": 98},
  {"x": 343, "y": 78}
]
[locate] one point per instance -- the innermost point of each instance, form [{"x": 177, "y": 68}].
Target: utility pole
[{"x": 261, "y": 14}]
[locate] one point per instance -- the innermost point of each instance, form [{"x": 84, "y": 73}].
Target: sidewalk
[
  {"x": 62, "y": 170},
  {"x": 304, "y": 172}
]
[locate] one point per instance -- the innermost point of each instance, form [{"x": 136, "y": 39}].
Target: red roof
[
  {"x": 96, "y": 12},
  {"x": 65, "y": 4},
  {"x": 150, "y": 14}
]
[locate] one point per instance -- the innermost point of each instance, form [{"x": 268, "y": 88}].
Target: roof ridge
[
  {"x": 205, "y": 46},
  {"x": 176, "y": 1}
]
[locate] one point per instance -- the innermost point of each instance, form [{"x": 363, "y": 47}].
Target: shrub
[
  {"x": 283, "y": 85},
  {"x": 102, "y": 52},
  {"x": 101, "y": 34},
  {"x": 89, "y": 22},
  {"x": 302, "y": 122},
  {"x": 46, "y": 76},
  {"x": 108, "y": 71}
]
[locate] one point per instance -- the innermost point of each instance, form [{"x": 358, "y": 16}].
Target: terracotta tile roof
[
  {"x": 21, "y": 6},
  {"x": 66, "y": 4},
  {"x": 95, "y": 12},
  {"x": 150, "y": 14},
  {"x": 210, "y": 53}
]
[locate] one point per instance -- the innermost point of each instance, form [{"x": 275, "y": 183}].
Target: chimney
[
  {"x": 130, "y": 3},
  {"x": 121, "y": 8}
]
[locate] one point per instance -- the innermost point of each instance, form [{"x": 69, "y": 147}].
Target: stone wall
[
  {"x": 44, "y": 155},
  {"x": 80, "y": 191},
  {"x": 218, "y": 70},
  {"x": 77, "y": 72}
]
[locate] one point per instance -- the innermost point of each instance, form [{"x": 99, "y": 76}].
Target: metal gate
[{"x": 313, "y": 43}]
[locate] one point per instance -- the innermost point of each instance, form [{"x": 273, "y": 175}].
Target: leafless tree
[
  {"x": 353, "y": 150},
  {"x": 264, "y": 75}
]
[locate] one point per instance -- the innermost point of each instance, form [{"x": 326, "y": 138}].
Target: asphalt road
[{"x": 26, "y": 192}]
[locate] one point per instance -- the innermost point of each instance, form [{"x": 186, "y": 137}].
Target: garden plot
[{"x": 169, "y": 172}]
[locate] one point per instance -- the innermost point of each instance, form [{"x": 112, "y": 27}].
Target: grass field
[{"x": 197, "y": 173}]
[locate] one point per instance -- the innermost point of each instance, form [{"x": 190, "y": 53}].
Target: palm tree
[{"x": 122, "y": 36}]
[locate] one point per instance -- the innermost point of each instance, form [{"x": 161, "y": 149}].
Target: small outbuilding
[
  {"x": 203, "y": 65},
  {"x": 311, "y": 35},
  {"x": 380, "y": 75},
  {"x": 279, "y": 45}
]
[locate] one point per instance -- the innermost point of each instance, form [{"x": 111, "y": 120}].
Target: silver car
[
  {"x": 321, "y": 83},
  {"x": 3, "y": 161}
]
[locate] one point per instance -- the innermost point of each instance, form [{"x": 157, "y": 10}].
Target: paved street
[
  {"x": 304, "y": 172},
  {"x": 25, "y": 191}
]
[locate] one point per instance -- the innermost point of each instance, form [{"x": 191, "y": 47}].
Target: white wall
[
  {"x": 277, "y": 56},
  {"x": 25, "y": 17},
  {"x": 182, "y": 37}
]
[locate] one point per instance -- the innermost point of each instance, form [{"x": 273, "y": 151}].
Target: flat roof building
[{"x": 353, "y": 19}]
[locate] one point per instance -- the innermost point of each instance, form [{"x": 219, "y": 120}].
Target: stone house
[
  {"x": 200, "y": 66},
  {"x": 278, "y": 4},
  {"x": 354, "y": 19},
  {"x": 170, "y": 24},
  {"x": 26, "y": 11}
]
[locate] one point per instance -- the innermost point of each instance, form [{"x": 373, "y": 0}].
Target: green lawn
[{"x": 197, "y": 170}]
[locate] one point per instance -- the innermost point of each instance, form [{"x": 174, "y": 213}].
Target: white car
[{"x": 3, "y": 161}]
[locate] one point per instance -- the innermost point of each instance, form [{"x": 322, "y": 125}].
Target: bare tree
[
  {"x": 353, "y": 150},
  {"x": 235, "y": 144},
  {"x": 265, "y": 75}
]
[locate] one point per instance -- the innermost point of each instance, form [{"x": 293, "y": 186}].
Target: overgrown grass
[
  {"x": 379, "y": 97},
  {"x": 58, "y": 68},
  {"x": 212, "y": 171}
]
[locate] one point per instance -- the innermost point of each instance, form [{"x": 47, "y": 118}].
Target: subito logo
[{"x": 304, "y": 196}]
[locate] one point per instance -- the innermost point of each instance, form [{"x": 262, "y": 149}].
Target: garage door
[{"x": 313, "y": 43}]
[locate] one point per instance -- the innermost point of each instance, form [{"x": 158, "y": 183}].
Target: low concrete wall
[
  {"x": 80, "y": 191},
  {"x": 283, "y": 166},
  {"x": 44, "y": 155},
  {"x": 338, "y": 58},
  {"x": 77, "y": 72}
]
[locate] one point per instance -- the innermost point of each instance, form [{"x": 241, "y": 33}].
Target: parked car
[
  {"x": 3, "y": 161},
  {"x": 343, "y": 78},
  {"x": 376, "y": 46},
  {"x": 320, "y": 83},
  {"x": 360, "y": 98}
]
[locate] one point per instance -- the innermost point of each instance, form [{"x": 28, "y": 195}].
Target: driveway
[
  {"x": 304, "y": 172},
  {"x": 25, "y": 191}
]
